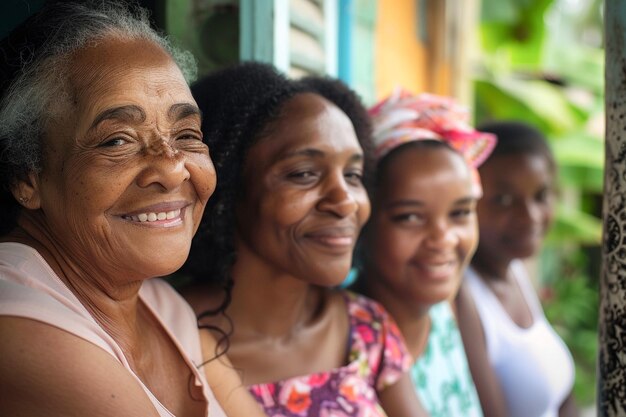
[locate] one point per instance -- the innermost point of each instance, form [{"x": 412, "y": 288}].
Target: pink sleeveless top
[{"x": 29, "y": 288}]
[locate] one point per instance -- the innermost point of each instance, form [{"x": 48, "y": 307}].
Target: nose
[
  {"x": 337, "y": 198},
  {"x": 441, "y": 236},
  {"x": 165, "y": 166}
]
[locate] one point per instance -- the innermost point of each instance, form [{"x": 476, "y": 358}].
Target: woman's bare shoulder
[{"x": 47, "y": 371}]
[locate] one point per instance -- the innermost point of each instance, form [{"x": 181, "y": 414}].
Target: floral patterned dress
[{"x": 377, "y": 358}]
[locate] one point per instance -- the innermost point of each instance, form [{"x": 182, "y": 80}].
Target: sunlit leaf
[
  {"x": 534, "y": 101},
  {"x": 575, "y": 226}
]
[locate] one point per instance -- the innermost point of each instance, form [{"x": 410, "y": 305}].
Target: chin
[
  {"x": 326, "y": 278},
  {"x": 524, "y": 252},
  {"x": 160, "y": 267}
]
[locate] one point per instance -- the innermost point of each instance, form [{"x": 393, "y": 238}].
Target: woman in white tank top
[{"x": 521, "y": 367}]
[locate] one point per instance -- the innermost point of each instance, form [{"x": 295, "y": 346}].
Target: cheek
[
  {"x": 394, "y": 247},
  {"x": 365, "y": 208},
  {"x": 491, "y": 221},
  {"x": 90, "y": 190},
  {"x": 488, "y": 235},
  {"x": 548, "y": 217},
  {"x": 203, "y": 177},
  {"x": 469, "y": 240},
  {"x": 287, "y": 208}
]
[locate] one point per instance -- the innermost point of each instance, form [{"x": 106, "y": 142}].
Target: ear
[{"x": 26, "y": 191}]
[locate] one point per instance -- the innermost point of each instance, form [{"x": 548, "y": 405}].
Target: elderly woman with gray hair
[{"x": 104, "y": 178}]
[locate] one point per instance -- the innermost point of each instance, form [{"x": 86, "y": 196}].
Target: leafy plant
[
  {"x": 531, "y": 74},
  {"x": 571, "y": 305}
]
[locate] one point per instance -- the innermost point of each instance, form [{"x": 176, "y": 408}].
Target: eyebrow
[
  {"x": 135, "y": 113},
  {"x": 417, "y": 203},
  {"x": 464, "y": 200},
  {"x": 180, "y": 111},
  {"x": 124, "y": 113},
  {"x": 316, "y": 153}
]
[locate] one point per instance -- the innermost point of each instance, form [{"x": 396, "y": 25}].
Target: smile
[
  {"x": 169, "y": 218},
  {"x": 335, "y": 240},
  {"x": 439, "y": 271},
  {"x": 439, "y": 267},
  {"x": 153, "y": 217}
]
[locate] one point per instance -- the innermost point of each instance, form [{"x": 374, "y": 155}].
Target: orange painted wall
[{"x": 400, "y": 58}]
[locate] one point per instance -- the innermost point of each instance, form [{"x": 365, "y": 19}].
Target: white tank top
[{"x": 533, "y": 365}]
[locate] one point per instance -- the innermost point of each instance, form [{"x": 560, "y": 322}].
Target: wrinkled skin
[
  {"x": 121, "y": 146},
  {"x": 130, "y": 144}
]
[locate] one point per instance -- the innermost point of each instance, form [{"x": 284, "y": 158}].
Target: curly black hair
[{"x": 239, "y": 105}]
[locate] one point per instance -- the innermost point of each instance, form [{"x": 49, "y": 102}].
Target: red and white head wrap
[{"x": 404, "y": 117}]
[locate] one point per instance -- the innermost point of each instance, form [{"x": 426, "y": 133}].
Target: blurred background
[{"x": 540, "y": 61}]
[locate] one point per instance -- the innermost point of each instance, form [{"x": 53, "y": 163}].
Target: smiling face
[
  {"x": 423, "y": 230},
  {"x": 125, "y": 175},
  {"x": 517, "y": 207},
  {"x": 304, "y": 203}
]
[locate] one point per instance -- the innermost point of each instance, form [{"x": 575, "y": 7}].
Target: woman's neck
[
  {"x": 270, "y": 303},
  {"x": 115, "y": 308},
  {"x": 490, "y": 267}
]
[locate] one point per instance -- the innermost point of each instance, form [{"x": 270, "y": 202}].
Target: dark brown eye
[
  {"x": 189, "y": 136},
  {"x": 113, "y": 142},
  {"x": 354, "y": 177},
  {"x": 503, "y": 200},
  {"x": 302, "y": 177},
  {"x": 543, "y": 195},
  {"x": 409, "y": 219}
]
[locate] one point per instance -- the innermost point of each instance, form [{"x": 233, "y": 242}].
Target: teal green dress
[{"x": 441, "y": 375}]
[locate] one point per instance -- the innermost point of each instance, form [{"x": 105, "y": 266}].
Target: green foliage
[
  {"x": 510, "y": 89},
  {"x": 514, "y": 29},
  {"x": 536, "y": 101},
  {"x": 542, "y": 77},
  {"x": 568, "y": 222},
  {"x": 580, "y": 66},
  {"x": 571, "y": 305},
  {"x": 581, "y": 161}
]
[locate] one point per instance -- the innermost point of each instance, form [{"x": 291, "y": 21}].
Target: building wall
[
  {"x": 425, "y": 45},
  {"x": 399, "y": 55},
  {"x": 420, "y": 45}
]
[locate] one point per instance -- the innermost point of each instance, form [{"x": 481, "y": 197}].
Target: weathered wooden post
[{"x": 612, "y": 326}]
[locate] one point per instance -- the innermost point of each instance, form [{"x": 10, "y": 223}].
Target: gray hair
[{"x": 42, "y": 63}]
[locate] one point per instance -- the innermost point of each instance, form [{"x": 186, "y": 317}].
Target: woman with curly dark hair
[{"x": 278, "y": 236}]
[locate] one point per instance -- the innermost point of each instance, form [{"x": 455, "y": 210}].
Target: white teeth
[
  {"x": 438, "y": 268},
  {"x": 152, "y": 217}
]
